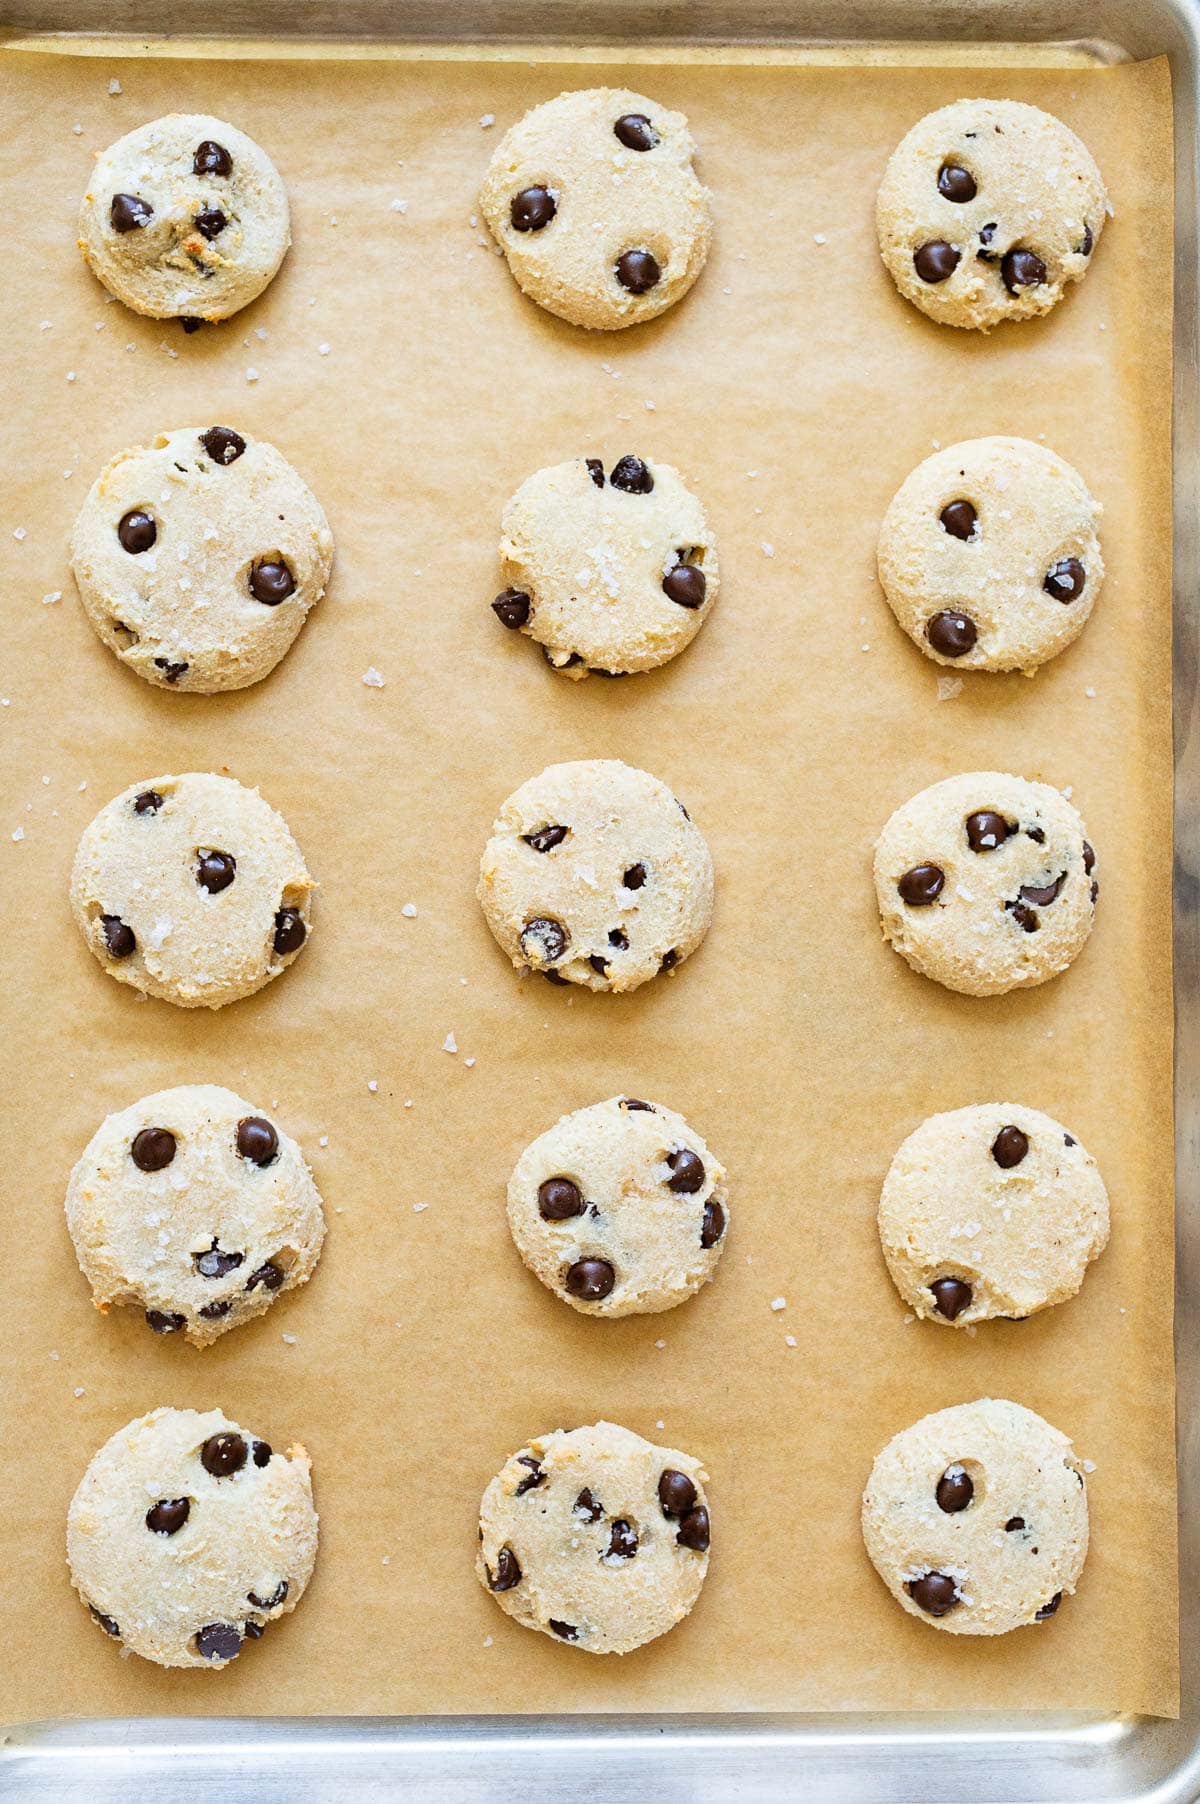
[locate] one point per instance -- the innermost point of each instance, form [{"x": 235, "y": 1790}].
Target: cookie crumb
[{"x": 948, "y": 688}]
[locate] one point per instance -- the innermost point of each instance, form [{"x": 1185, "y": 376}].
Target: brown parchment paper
[{"x": 796, "y": 390}]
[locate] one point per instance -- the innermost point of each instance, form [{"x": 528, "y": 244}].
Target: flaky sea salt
[
  {"x": 450, "y": 1044},
  {"x": 372, "y": 1084},
  {"x": 409, "y": 911},
  {"x": 486, "y": 120},
  {"x": 778, "y": 1303},
  {"x": 372, "y": 677},
  {"x": 114, "y": 86}
]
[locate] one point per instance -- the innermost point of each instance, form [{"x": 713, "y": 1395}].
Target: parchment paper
[{"x": 796, "y": 390}]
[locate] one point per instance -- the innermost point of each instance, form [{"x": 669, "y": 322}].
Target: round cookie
[
  {"x": 191, "y": 888},
  {"x": 990, "y": 1211},
  {"x": 199, "y": 556},
  {"x": 188, "y": 1537},
  {"x": 987, "y": 209},
  {"x": 607, "y": 573},
  {"x": 986, "y": 883},
  {"x": 194, "y": 1208},
  {"x": 596, "y": 1537},
  {"x": 619, "y": 1209},
  {"x": 988, "y": 555},
  {"x": 595, "y": 874},
  {"x": 593, "y": 200},
  {"x": 184, "y": 218},
  {"x": 976, "y": 1518}
]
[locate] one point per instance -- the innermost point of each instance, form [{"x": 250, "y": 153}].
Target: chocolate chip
[
  {"x": 536, "y": 1475},
  {"x": 1050, "y": 1608},
  {"x": 950, "y": 1297},
  {"x": 546, "y": 838},
  {"x": 1085, "y": 247},
  {"x": 165, "y": 1321},
  {"x": 189, "y": 322},
  {"x": 955, "y": 1490},
  {"x": 567, "y": 1631},
  {"x": 686, "y": 585},
  {"x": 268, "y": 1274},
  {"x": 257, "y": 1139},
  {"x": 935, "y": 261},
  {"x": 118, "y": 937},
  {"x": 599, "y": 963},
  {"x": 215, "y": 871},
  {"x": 959, "y": 519},
  {"x": 290, "y": 931},
  {"x": 1065, "y": 579},
  {"x": 223, "y": 444},
  {"x": 168, "y": 1516},
  {"x": 252, "y": 1630},
  {"x": 223, "y": 1454},
  {"x": 153, "y": 1148},
  {"x": 1036, "y": 835},
  {"x": 986, "y": 830},
  {"x": 211, "y": 223},
  {"x": 216, "y": 1263},
  {"x": 276, "y": 1598},
  {"x": 511, "y": 607},
  {"x": 922, "y": 885},
  {"x": 1009, "y": 1147},
  {"x": 271, "y": 582},
  {"x": 669, "y": 960},
  {"x": 129, "y": 212},
  {"x": 714, "y": 1224},
  {"x": 986, "y": 234},
  {"x": 556, "y": 977},
  {"x": 585, "y": 1505},
  {"x": 559, "y": 1199},
  {"x": 688, "y": 1170},
  {"x": 149, "y": 802},
  {"x": 951, "y": 633},
  {"x": 1014, "y": 1523},
  {"x": 218, "y": 1641},
  {"x": 1089, "y": 859},
  {"x": 956, "y": 183},
  {"x": 212, "y": 1312},
  {"x": 137, "y": 531},
  {"x": 172, "y": 672},
  {"x": 507, "y": 1573},
  {"x": 106, "y": 1623},
  {"x": 631, "y": 475},
  {"x": 543, "y": 940},
  {"x": 634, "y": 877},
  {"x": 636, "y": 132},
  {"x": 1021, "y": 269},
  {"x": 1069, "y": 1140},
  {"x": 1042, "y": 896},
  {"x": 638, "y": 271},
  {"x": 595, "y": 470},
  {"x": 532, "y": 209},
  {"x": 211, "y": 158},
  {"x": 1024, "y": 916},
  {"x": 1095, "y": 893},
  {"x": 589, "y": 1279},
  {"x": 935, "y": 1593},
  {"x": 622, "y": 1542},
  {"x": 676, "y": 1492},
  {"x": 633, "y": 1102},
  {"x": 693, "y": 1530},
  {"x": 262, "y": 1453}
]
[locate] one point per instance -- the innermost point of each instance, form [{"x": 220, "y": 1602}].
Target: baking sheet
[{"x": 796, "y": 391}]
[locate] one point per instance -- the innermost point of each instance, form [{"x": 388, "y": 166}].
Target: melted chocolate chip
[
  {"x": 618, "y": 939},
  {"x": 686, "y": 585},
  {"x": 218, "y": 1641},
  {"x": 273, "y": 1602},
  {"x": 137, "y": 531},
  {"x": 922, "y": 885},
  {"x": 1084, "y": 248},
  {"x": 1021, "y": 269},
  {"x": 252, "y": 1630},
  {"x": 559, "y": 1199},
  {"x": 566, "y": 1630},
  {"x": 268, "y": 1274},
  {"x": 290, "y": 931},
  {"x": 599, "y": 963},
  {"x": 1042, "y": 896},
  {"x": 714, "y": 1224},
  {"x": 543, "y": 940},
  {"x": 636, "y": 132},
  {"x": 676, "y": 1492},
  {"x": 622, "y": 1542},
  {"x": 693, "y": 1530},
  {"x": 223, "y": 1454},
  {"x": 211, "y": 223},
  {"x": 634, "y": 877},
  {"x": 211, "y": 158},
  {"x": 589, "y": 1279},
  {"x": 987, "y": 233},
  {"x": 164, "y": 1321},
  {"x": 1014, "y": 1523},
  {"x": 271, "y": 582},
  {"x": 951, "y": 633},
  {"x": 149, "y": 802},
  {"x": 216, "y": 1263},
  {"x": 956, "y": 183},
  {"x": 1036, "y": 835},
  {"x": 216, "y": 871},
  {"x": 153, "y": 1148},
  {"x": 168, "y": 1516},
  {"x": 172, "y": 672},
  {"x": 955, "y": 1490},
  {"x": 1050, "y": 1608},
  {"x": 536, "y": 1475},
  {"x": 960, "y": 519},
  {"x": 511, "y": 607},
  {"x": 687, "y": 1171},
  {"x": 936, "y": 1593},
  {"x": 595, "y": 470},
  {"x": 585, "y": 1505},
  {"x": 129, "y": 212},
  {"x": 634, "y": 1102},
  {"x": 638, "y": 271},
  {"x": 1095, "y": 893},
  {"x": 507, "y": 1573},
  {"x": 257, "y": 1139},
  {"x": 556, "y": 977},
  {"x": 546, "y": 838},
  {"x": 1065, "y": 579},
  {"x": 950, "y": 1297},
  {"x": 212, "y": 1312},
  {"x": 106, "y": 1623},
  {"x": 631, "y": 476},
  {"x": 986, "y": 830},
  {"x": 1009, "y": 1147},
  {"x": 532, "y": 209},
  {"x": 189, "y": 322},
  {"x": 118, "y": 937},
  {"x": 1024, "y": 916},
  {"x": 935, "y": 261},
  {"x": 1089, "y": 859},
  {"x": 262, "y": 1453},
  {"x": 223, "y": 444},
  {"x": 669, "y": 960}
]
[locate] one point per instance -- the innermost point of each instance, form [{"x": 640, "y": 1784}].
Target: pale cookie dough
[
  {"x": 189, "y": 1537},
  {"x": 595, "y": 874},
  {"x": 593, "y": 200},
  {"x": 986, "y": 883},
  {"x": 191, "y": 888},
  {"x": 184, "y": 218},
  {"x": 596, "y": 1537},
  {"x": 199, "y": 556},
  {"x": 620, "y": 1208},
  {"x": 976, "y": 1518},
  {"x": 988, "y": 555},
  {"x": 194, "y": 1207},
  {"x": 611, "y": 573},
  {"x": 987, "y": 209},
  {"x": 993, "y": 1210}
]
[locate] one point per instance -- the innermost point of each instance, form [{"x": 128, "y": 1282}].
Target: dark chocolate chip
[
  {"x": 223, "y": 444},
  {"x": 511, "y": 607},
  {"x": 986, "y": 830},
  {"x": 1009, "y": 1147},
  {"x": 950, "y": 1297},
  {"x": 959, "y": 519},
  {"x": 935, "y": 1593},
  {"x": 634, "y": 877},
  {"x": 622, "y": 1542},
  {"x": 636, "y": 132},
  {"x": 556, "y": 662},
  {"x": 153, "y": 1148},
  {"x": 951, "y": 633},
  {"x": 215, "y": 871},
  {"x": 165, "y": 1321},
  {"x": 1036, "y": 835},
  {"x": 693, "y": 1530},
  {"x": 686, "y": 585},
  {"x": 106, "y": 1623},
  {"x": 669, "y": 960},
  {"x": 687, "y": 1169},
  {"x": 271, "y": 582},
  {"x": 129, "y": 212},
  {"x": 262, "y": 1453},
  {"x": 290, "y": 931},
  {"x": 559, "y": 1199},
  {"x": 168, "y": 1516},
  {"x": 638, "y": 271},
  {"x": 218, "y": 1641},
  {"x": 1042, "y": 896},
  {"x": 595, "y": 470},
  {"x": 1084, "y": 248},
  {"x": 149, "y": 802},
  {"x": 216, "y": 1263},
  {"x": 536, "y": 1475},
  {"x": 212, "y": 1312},
  {"x": 1014, "y": 1523},
  {"x": 268, "y": 1274},
  {"x": 1050, "y": 1608},
  {"x": 633, "y": 1102},
  {"x": 585, "y": 1505},
  {"x": 557, "y": 978},
  {"x": 211, "y": 158},
  {"x": 714, "y": 1224},
  {"x": 118, "y": 937},
  {"x": 223, "y": 1454},
  {"x": 543, "y": 940},
  {"x": 922, "y": 885},
  {"x": 589, "y": 1279},
  {"x": 1095, "y": 893},
  {"x": 676, "y": 1492},
  {"x": 253, "y": 1631},
  {"x": 956, "y": 183},
  {"x": 532, "y": 209},
  {"x": 599, "y": 963},
  {"x": 1065, "y": 579},
  {"x": 211, "y": 223},
  {"x": 567, "y": 1630},
  {"x": 172, "y": 672},
  {"x": 1069, "y": 1140},
  {"x": 631, "y": 475},
  {"x": 546, "y": 838},
  {"x": 189, "y": 322},
  {"x": 276, "y": 1598},
  {"x": 935, "y": 261},
  {"x": 137, "y": 531},
  {"x": 507, "y": 1573},
  {"x": 257, "y": 1139},
  {"x": 1024, "y": 916},
  {"x": 1089, "y": 858},
  {"x": 618, "y": 939},
  {"x": 955, "y": 1490},
  {"x": 987, "y": 233},
  {"x": 1021, "y": 269}
]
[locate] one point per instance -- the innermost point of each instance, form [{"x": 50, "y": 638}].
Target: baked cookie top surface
[
  {"x": 595, "y": 874},
  {"x": 594, "y": 202},
  {"x": 987, "y": 210}
]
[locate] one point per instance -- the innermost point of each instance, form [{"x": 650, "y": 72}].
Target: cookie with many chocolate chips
[
  {"x": 188, "y": 1537},
  {"x": 976, "y": 1518},
  {"x": 191, "y": 889},
  {"x": 194, "y": 1208},
  {"x": 198, "y": 558},
  {"x": 595, "y": 874},
  {"x": 986, "y": 883},
  {"x": 593, "y": 200},
  {"x": 620, "y": 1208},
  {"x": 596, "y": 1537},
  {"x": 987, "y": 210},
  {"x": 616, "y": 573},
  {"x": 184, "y": 218},
  {"x": 990, "y": 1211},
  {"x": 989, "y": 557}
]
